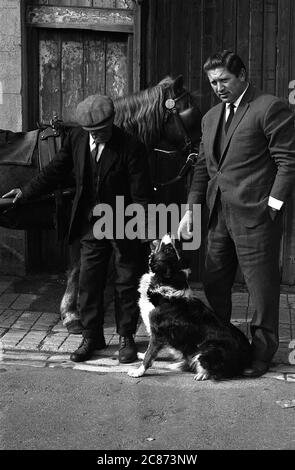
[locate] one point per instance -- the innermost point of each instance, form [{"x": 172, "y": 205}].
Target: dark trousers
[
  {"x": 95, "y": 256},
  {"x": 256, "y": 250}
]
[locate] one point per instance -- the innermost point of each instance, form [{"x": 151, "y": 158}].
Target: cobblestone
[
  {"x": 27, "y": 320},
  {"x": 53, "y": 342},
  {"x": 4, "y": 285},
  {"x": 6, "y": 300},
  {"x": 23, "y": 301},
  {"x": 9, "y": 317},
  {"x": 12, "y": 338},
  {"x": 32, "y": 340},
  {"x": 46, "y": 321}
]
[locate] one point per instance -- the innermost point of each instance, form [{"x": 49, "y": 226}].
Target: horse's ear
[{"x": 178, "y": 85}]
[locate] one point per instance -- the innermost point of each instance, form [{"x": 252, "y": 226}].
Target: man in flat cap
[{"x": 106, "y": 163}]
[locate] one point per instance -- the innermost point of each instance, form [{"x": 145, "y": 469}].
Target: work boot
[
  {"x": 127, "y": 349},
  {"x": 86, "y": 349}
]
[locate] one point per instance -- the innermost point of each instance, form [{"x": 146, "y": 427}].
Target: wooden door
[
  {"x": 74, "y": 64},
  {"x": 67, "y": 66}
]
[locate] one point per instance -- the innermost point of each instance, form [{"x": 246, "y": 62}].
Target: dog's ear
[{"x": 154, "y": 245}]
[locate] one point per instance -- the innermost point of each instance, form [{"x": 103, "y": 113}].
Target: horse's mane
[{"x": 142, "y": 113}]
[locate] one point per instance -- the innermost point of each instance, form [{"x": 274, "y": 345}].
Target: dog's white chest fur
[{"x": 144, "y": 303}]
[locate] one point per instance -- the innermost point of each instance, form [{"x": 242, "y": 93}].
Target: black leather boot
[
  {"x": 86, "y": 349},
  {"x": 127, "y": 349}
]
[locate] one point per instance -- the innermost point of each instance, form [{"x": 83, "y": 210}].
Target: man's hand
[
  {"x": 16, "y": 193},
  {"x": 185, "y": 228}
]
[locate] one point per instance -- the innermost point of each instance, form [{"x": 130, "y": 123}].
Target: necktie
[
  {"x": 94, "y": 153},
  {"x": 230, "y": 117}
]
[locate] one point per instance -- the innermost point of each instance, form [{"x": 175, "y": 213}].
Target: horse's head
[
  {"x": 181, "y": 129},
  {"x": 164, "y": 116}
]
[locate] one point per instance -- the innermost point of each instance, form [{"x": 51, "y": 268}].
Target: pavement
[{"x": 32, "y": 333}]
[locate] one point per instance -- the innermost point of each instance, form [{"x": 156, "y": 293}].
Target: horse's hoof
[{"x": 74, "y": 327}]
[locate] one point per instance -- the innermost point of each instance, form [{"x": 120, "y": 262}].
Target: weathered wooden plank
[
  {"x": 269, "y": 49},
  {"x": 71, "y": 75},
  {"x": 125, "y": 4},
  {"x": 49, "y": 76},
  {"x": 212, "y": 42},
  {"x": 178, "y": 37},
  {"x": 78, "y": 17},
  {"x": 229, "y": 25},
  {"x": 283, "y": 48},
  {"x": 150, "y": 52},
  {"x": 164, "y": 42},
  {"x": 243, "y": 26},
  {"x": 61, "y": 3},
  {"x": 39, "y": 2},
  {"x": 292, "y": 60},
  {"x": 70, "y": 3},
  {"x": 104, "y": 3},
  {"x": 116, "y": 68},
  {"x": 94, "y": 65},
  {"x": 256, "y": 42},
  {"x": 196, "y": 70}
]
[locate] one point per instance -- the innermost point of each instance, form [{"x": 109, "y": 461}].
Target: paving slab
[
  {"x": 6, "y": 300},
  {"x": 9, "y": 317}
]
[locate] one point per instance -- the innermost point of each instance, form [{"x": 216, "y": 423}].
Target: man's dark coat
[{"x": 124, "y": 172}]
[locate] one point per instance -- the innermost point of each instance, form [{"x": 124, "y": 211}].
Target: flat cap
[{"x": 95, "y": 112}]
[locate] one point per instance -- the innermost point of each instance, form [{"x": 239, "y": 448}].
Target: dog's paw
[
  {"x": 140, "y": 356},
  {"x": 136, "y": 372},
  {"x": 202, "y": 375},
  {"x": 201, "y": 372}
]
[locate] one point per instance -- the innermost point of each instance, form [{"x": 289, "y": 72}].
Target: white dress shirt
[
  {"x": 92, "y": 144},
  {"x": 274, "y": 203}
]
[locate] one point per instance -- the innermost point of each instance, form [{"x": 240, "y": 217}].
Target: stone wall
[
  {"x": 12, "y": 242},
  {"x": 10, "y": 65}
]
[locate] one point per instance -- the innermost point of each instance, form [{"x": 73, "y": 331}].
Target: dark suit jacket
[
  {"x": 124, "y": 172},
  {"x": 257, "y": 161}
]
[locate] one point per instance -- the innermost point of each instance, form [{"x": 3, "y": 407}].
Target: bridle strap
[
  {"x": 192, "y": 157},
  {"x": 190, "y": 162}
]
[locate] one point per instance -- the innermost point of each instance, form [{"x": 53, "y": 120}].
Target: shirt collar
[
  {"x": 239, "y": 99},
  {"x": 93, "y": 144}
]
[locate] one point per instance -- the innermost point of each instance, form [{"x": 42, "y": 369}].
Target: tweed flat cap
[{"x": 95, "y": 112}]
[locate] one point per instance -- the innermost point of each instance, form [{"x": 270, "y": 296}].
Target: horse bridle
[{"x": 171, "y": 108}]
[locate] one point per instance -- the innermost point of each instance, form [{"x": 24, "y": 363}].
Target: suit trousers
[
  {"x": 95, "y": 257},
  {"x": 256, "y": 250}
]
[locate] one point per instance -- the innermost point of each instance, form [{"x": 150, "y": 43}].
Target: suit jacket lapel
[
  {"x": 214, "y": 128},
  {"x": 82, "y": 152},
  {"x": 242, "y": 108},
  {"x": 108, "y": 158}
]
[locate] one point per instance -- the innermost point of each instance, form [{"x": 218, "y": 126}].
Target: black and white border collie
[{"x": 175, "y": 317}]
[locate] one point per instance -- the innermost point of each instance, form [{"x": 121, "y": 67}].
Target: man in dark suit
[
  {"x": 106, "y": 163},
  {"x": 245, "y": 172}
]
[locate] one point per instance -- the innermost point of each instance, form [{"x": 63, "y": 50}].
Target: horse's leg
[{"x": 69, "y": 304}]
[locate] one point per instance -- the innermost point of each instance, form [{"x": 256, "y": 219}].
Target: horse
[{"x": 165, "y": 117}]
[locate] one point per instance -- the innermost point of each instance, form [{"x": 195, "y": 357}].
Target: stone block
[
  {"x": 23, "y": 302},
  {"x": 11, "y": 118},
  {"x": 10, "y": 17},
  {"x": 6, "y": 300},
  {"x": 9, "y": 317},
  {"x": 10, "y": 74}
]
